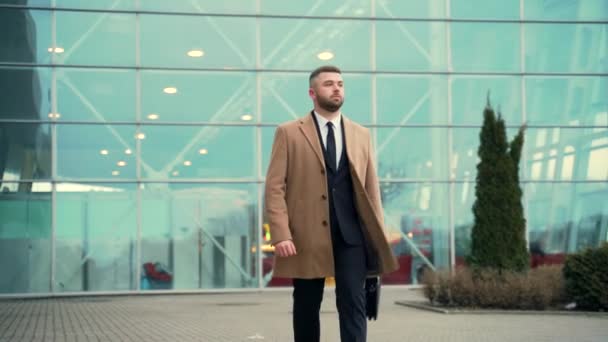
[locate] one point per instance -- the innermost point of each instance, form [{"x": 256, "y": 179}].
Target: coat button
[
  {"x": 322, "y": 171},
  {"x": 324, "y": 196},
  {"x": 325, "y": 223}
]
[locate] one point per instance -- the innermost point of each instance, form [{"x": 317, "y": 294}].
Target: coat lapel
[{"x": 307, "y": 127}]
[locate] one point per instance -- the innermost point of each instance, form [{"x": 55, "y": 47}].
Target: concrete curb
[{"x": 423, "y": 306}]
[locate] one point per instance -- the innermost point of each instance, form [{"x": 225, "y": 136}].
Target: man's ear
[{"x": 311, "y": 93}]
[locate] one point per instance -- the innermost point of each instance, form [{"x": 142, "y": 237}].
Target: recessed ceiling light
[
  {"x": 170, "y": 90},
  {"x": 247, "y": 117},
  {"x": 153, "y": 116},
  {"x": 115, "y": 173},
  {"x": 196, "y": 53},
  {"x": 429, "y": 163},
  {"x": 203, "y": 151},
  {"x": 175, "y": 173},
  {"x": 104, "y": 152},
  {"x": 121, "y": 163},
  {"x": 56, "y": 49},
  {"x": 325, "y": 55},
  {"x": 187, "y": 163},
  {"x": 128, "y": 151},
  {"x": 140, "y": 136},
  {"x": 54, "y": 115}
]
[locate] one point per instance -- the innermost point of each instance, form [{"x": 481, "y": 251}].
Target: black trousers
[{"x": 350, "y": 274}]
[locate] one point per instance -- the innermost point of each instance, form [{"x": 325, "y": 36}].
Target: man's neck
[{"x": 327, "y": 114}]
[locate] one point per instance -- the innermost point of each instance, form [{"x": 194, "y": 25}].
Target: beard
[{"x": 329, "y": 104}]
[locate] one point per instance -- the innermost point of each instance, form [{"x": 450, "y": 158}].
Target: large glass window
[
  {"x": 404, "y": 100},
  {"x": 25, "y": 151},
  {"x": 200, "y": 6},
  {"x": 308, "y": 43},
  {"x": 412, "y": 153},
  {"x": 199, "y": 236},
  {"x": 97, "y": 4},
  {"x": 198, "y": 96},
  {"x": 26, "y": 36},
  {"x": 485, "y": 47},
  {"x": 566, "y": 48},
  {"x": 351, "y": 8},
  {"x": 96, "y": 246},
  {"x": 95, "y": 38},
  {"x": 96, "y": 151},
  {"x": 25, "y": 237},
  {"x": 96, "y": 95},
  {"x": 197, "y": 42},
  {"x": 416, "y": 219},
  {"x": 410, "y": 9},
  {"x": 484, "y": 9},
  {"x": 566, "y": 10}
]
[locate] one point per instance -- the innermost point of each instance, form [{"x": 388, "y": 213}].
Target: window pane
[
  {"x": 200, "y": 6},
  {"x": 416, "y": 218},
  {"x": 289, "y": 44},
  {"x": 26, "y": 36},
  {"x": 25, "y": 238},
  {"x": 25, "y": 93},
  {"x": 198, "y": 152},
  {"x": 464, "y": 197},
  {"x": 484, "y": 9},
  {"x": 565, "y": 218},
  {"x": 567, "y": 154},
  {"x": 96, "y": 38},
  {"x": 25, "y": 151},
  {"x": 566, "y": 48},
  {"x": 205, "y": 236},
  {"x": 285, "y": 97},
  {"x": 464, "y": 155},
  {"x": 41, "y": 3},
  {"x": 410, "y": 46},
  {"x": 97, "y": 4},
  {"x": 96, "y": 95},
  {"x": 412, "y": 153},
  {"x": 267, "y": 140},
  {"x": 411, "y": 9},
  {"x": 95, "y": 246},
  {"x": 475, "y": 47},
  {"x": 470, "y": 96},
  {"x": 411, "y": 99},
  {"x": 198, "y": 96},
  {"x": 96, "y": 151},
  {"x": 567, "y": 10},
  {"x": 353, "y": 8},
  {"x": 568, "y": 100},
  {"x": 197, "y": 41}
]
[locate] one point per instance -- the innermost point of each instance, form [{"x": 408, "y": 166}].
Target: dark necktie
[{"x": 331, "y": 146}]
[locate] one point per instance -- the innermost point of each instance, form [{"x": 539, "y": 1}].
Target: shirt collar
[{"x": 323, "y": 121}]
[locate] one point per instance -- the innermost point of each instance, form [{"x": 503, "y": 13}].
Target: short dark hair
[{"x": 321, "y": 69}]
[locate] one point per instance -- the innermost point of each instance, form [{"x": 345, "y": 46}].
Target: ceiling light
[
  {"x": 104, "y": 152},
  {"x": 196, "y": 53},
  {"x": 187, "y": 163},
  {"x": 140, "y": 136},
  {"x": 128, "y": 151},
  {"x": 247, "y": 117},
  {"x": 121, "y": 163},
  {"x": 54, "y": 115},
  {"x": 170, "y": 90},
  {"x": 203, "y": 151},
  {"x": 56, "y": 49},
  {"x": 175, "y": 173},
  {"x": 153, "y": 116},
  {"x": 115, "y": 173},
  {"x": 429, "y": 163},
  {"x": 325, "y": 55}
]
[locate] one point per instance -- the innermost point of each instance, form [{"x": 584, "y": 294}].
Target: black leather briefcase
[{"x": 372, "y": 297}]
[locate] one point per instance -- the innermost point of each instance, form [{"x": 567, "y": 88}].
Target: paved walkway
[{"x": 266, "y": 317}]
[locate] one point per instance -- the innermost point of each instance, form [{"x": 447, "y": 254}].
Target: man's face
[{"x": 328, "y": 91}]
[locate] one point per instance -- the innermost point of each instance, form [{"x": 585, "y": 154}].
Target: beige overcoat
[{"x": 296, "y": 206}]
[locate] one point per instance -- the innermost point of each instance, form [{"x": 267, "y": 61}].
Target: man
[{"x": 322, "y": 202}]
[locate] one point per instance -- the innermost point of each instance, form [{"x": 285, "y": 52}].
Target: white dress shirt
[{"x": 337, "y": 133}]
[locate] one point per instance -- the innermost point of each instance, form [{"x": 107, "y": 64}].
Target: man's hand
[{"x": 285, "y": 248}]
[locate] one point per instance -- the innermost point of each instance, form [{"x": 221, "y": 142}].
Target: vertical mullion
[
  {"x": 53, "y": 149},
  {"x": 258, "y": 144},
  {"x": 451, "y": 183},
  {"x": 138, "y": 188}
]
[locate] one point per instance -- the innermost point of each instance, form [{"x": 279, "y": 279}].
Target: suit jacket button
[
  {"x": 324, "y": 196},
  {"x": 322, "y": 171},
  {"x": 325, "y": 223}
]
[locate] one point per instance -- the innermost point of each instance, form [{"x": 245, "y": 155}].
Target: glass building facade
[{"x": 135, "y": 134}]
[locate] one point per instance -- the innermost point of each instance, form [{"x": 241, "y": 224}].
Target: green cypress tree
[{"x": 498, "y": 233}]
